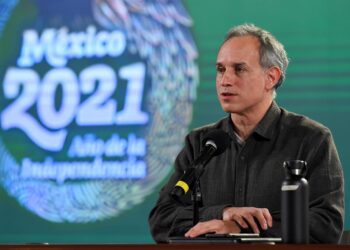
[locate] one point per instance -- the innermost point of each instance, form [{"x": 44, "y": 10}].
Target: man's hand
[
  {"x": 245, "y": 217},
  {"x": 213, "y": 226}
]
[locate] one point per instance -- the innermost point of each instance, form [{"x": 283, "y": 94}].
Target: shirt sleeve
[
  {"x": 174, "y": 218},
  {"x": 326, "y": 185}
]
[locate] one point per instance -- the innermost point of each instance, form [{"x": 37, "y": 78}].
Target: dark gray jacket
[{"x": 251, "y": 175}]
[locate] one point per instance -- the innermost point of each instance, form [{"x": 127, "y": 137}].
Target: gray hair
[{"x": 272, "y": 52}]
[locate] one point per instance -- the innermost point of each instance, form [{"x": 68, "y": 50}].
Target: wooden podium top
[{"x": 173, "y": 247}]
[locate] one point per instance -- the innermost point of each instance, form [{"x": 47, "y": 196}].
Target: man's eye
[
  {"x": 220, "y": 69},
  {"x": 240, "y": 69}
]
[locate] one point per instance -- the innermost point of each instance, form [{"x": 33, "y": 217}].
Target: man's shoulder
[
  {"x": 303, "y": 123},
  {"x": 220, "y": 124}
]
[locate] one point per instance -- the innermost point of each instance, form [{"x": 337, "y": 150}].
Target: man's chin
[{"x": 230, "y": 109}]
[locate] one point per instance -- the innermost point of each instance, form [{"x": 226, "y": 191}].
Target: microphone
[{"x": 215, "y": 142}]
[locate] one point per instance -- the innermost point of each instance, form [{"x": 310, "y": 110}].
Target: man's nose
[{"x": 227, "y": 79}]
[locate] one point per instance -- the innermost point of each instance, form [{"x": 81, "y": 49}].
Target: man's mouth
[{"x": 227, "y": 94}]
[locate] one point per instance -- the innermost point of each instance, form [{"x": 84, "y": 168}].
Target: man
[{"x": 241, "y": 188}]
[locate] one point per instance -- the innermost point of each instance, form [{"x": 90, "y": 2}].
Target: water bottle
[{"x": 295, "y": 203}]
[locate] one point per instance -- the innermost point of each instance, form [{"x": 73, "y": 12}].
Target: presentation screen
[{"x": 97, "y": 96}]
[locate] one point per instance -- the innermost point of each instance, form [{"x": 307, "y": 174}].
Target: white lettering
[
  {"x": 90, "y": 146},
  {"x": 77, "y": 170},
  {"x": 23, "y": 84},
  {"x": 57, "y": 46},
  {"x": 48, "y": 129}
]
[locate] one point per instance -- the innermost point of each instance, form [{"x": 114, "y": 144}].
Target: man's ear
[{"x": 273, "y": 75}]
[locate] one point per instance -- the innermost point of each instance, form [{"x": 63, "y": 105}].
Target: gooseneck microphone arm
[
  {"x": 198, "y": 171},
  {"x": 187, "y": 180},
  {"x": 215, "y": 142}
]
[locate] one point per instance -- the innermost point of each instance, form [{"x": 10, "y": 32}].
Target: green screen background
[{"x": 315, "y": 35}]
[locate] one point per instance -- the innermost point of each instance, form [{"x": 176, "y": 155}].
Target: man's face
[{"x": 241, "y": 83}]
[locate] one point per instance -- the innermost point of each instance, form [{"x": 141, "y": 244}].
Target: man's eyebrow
[
  {"x": 235, "y": 64},
  {"x": 239, "y": 64}
]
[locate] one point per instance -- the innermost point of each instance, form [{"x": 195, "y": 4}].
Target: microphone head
[{"x": 218, "y": 139}]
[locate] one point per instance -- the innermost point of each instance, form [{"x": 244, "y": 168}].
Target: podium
[{"x": 173, "y": 247}]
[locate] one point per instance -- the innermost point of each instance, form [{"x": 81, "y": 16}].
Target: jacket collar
[{"x": 265, "y": 126}]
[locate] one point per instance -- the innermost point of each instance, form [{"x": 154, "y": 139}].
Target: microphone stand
[{"x": 197, "y": 194}]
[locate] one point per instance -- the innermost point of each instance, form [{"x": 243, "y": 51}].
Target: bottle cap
[{"x": 295, "y": 168}]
